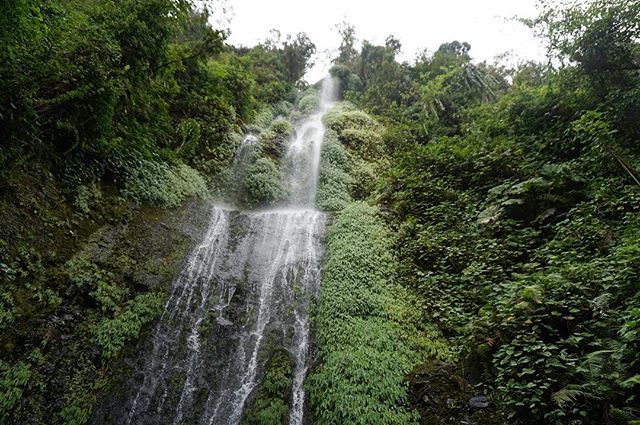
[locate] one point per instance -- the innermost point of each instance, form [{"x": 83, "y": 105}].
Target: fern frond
[
  {"x": 567, "y": 397},
  {"x": 621, "y": 417}
]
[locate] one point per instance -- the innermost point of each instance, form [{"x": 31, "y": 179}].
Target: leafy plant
[{"x": 111, "y": 334}]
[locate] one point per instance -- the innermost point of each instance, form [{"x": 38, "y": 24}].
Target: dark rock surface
[
  {"x": 133, "y": 249},
  {"x": 442, "y": 397}
]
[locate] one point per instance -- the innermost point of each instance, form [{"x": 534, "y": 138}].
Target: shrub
[
  {"x": 262, "y": 120},
  {"x": 344, "y": 115},
  {"x": 361, "y": 136},
  {"x": 365, "y": 142},
  {"x": 282, "y": 127},
  {"x": 164, "y": 185},
  {"x": 111, "y": 334},
  {"x": 334, "y": 181},
  {"x": 282, "y": 108},
  {"x": 188, "y": 132},
  {"x": 309, "y": 102},
  {"x": 274, "y": 139},
  {"x": 261, "y": 185},
  {"x": 364, "y": 178}
]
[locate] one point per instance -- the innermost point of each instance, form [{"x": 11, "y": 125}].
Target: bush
[
  {"x": 365, "y": 175},
  {"x": 334, "y": 181},
  {"x": 164, "y": 185},
  {"x": 111, "y": 334},
  {"x": 361, "y": 135},
  {"x": 274, "y": 139},
  {"x": 282, "y": 108},
  {"x": 261, "y": 185},
  {"x": 344, "y": 115},
  {"x": 262, "y": 120},
  {"x": 365, "y": 142},
  {"x": 309, "y": 102}
]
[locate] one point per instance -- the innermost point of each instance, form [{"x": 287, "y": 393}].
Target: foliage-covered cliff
[
  {"x": 513, "y": 198},
  {"x": 482, "y": 255},
  {"x": 114, "y": 117}
]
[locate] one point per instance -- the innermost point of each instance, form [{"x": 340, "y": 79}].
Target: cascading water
[{"x": 247, "y": 287}]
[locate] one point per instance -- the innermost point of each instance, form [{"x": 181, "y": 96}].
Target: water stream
[{"x": 245, "y": 289}]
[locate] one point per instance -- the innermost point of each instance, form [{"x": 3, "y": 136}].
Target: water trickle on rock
[{"x": 246, "y": 289}]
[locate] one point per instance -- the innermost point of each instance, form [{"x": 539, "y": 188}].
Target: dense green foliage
[
  {"x": 130, "y": 92},
  {"x": 514, "y": 197},
  {"x": 111, "y": 111},
  {"x": 365, "y": 334},
  {"x": 481, "y": 215}
]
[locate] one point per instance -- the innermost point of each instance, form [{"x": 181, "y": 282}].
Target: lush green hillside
[
  {"x": 484, "y": 220},
  {"x": 513, "y": 195}
]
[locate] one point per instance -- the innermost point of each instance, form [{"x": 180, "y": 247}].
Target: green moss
[{"x": 271, "y": 404}]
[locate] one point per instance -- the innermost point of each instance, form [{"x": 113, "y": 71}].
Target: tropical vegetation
[{"x": 484, "y": 218}]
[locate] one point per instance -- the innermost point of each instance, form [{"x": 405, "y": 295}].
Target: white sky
[{"x": 485, "y": 24}]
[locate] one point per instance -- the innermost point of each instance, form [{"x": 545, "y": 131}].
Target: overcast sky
[{"x": 486, "y": 24}]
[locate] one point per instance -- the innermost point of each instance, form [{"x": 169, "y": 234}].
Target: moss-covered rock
[
  {"x": 445, "y": 398},
  {"x": 80, "y": 283},
  {"x": 272, "y": 400}
]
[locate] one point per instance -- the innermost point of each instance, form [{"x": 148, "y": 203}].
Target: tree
[
  {"x": 296, "y": 54},
  {"x": 347, "y": 53}
]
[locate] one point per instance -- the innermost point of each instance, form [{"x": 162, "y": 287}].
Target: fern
[
  {"x": 567, "y": 397},
  {"x": 621, "y": 417}
]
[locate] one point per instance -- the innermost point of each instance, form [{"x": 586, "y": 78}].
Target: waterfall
[
  {"x": 302, "y": 159},
  {"x": 247, "y": 287}
]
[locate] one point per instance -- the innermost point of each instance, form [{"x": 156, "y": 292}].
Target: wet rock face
[
  {"x": 241, "y": 298},
  {"x": 148, "y": 251},
  {"x": 132, "y": 250},
  {"x": 443, "y": 397}
]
